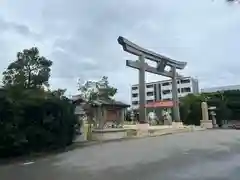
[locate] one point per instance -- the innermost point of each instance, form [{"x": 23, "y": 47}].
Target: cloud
[{"x": 81, "y": 38}]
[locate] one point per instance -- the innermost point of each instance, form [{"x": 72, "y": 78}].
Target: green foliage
[
  {"x": 30, "y": 70},
  {"x": 59, "y": 93},
  {"x": 190, "y": 109},
  {"x": 34, "y": 123},
  {"x": 227, "y": 105},
  {"x": 101, "y": 89},
  {"x": 105, "y": 90},
  {"x": 31, "y": 118}
]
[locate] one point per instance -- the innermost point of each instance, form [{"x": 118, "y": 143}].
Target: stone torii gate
[{"x": 162, "y": 62}]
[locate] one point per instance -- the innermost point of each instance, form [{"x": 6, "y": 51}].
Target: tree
[
  {"x": 30, "y": 70},
  {"x": 31, "y": 117},
  {"x": 94, "y": 90},
  {"x": 227, "y": 105},
  {"x": 59, "y": 92},
  {"x": 190, "y": 108}
]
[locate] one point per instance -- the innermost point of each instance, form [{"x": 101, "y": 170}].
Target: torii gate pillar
[{"x": 142, "y": 91}]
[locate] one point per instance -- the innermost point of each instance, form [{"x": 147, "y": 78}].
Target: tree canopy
[
  {"x": 226, "y": 102},
  {"x": 29, "y": 70},
  {"x": 94, "y": 90},
  {"x": 33, "y": 118}
]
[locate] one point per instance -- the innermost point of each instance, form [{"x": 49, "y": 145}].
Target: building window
[
  {"x": 149, "y": 93},
  {"x": 134, "y": 95},
  {"x": 166, "y": 91},
  {"x": 186, "y": 89},
  {"x": 149, "y": 101},
  {"x": 178, "y": 90},
  {"x": 149, "y": 86},
  {"x": 166, "y": 84},
  {"x": 134, "y": 88},
  {"x": 135, "y": 103},
  {"x": 184, "y": 81}
]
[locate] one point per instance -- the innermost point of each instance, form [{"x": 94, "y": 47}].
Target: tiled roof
[{"x": 110, "y": 102}]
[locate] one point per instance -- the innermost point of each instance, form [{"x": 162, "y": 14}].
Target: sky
[{"x": 80, "y": 37}]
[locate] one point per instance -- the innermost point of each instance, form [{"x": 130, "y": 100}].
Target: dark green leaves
[{"x": 30, "y": 70}]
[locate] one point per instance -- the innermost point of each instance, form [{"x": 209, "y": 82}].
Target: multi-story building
[
  {"x": 162, "y": 90},
  {"x": 220, "y": 88}
]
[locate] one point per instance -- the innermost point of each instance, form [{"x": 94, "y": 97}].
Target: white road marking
[{"x": 28, "y": 163}]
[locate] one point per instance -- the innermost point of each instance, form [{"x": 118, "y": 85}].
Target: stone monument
[
  {"x": 212, "y": 112},
  {"x": 160, "y": 69},
  {"x": 152, "y": 118},
  {"x": 205, "y": 122},
  {"x": 167, "y": 119}
]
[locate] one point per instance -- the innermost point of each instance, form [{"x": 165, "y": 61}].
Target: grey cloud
[
  {"x": 67, "y": 65},
  {"x": 6, "y": 26},
  {"x": 98, "y": 39},
  {"x": 82, "y": 37}
]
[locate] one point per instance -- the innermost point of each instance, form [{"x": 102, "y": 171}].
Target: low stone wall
[
  {"x": 177, "y": 125},
  {"x": 206, "y": 124},
  {"x": 108, "y": 134},
  {"x": 131, "y": 133},
  {"x": 121, "y": 133}
]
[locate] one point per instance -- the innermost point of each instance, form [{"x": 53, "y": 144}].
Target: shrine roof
[{"x": 110, "y": 102}]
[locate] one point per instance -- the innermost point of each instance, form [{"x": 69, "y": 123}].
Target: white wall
[{"x": 163, "y": 96}]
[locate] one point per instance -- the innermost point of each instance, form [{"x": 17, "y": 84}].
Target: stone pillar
[
  {"x": 214, "y": 121},
  {"x": 122, "y": 116},
  {"x": 204, "y": 107},
  {"x": 205, "y": 122},
  {"x": 142, "y": 95},
  {"x": 101, "y": 116},
  {"x": 176, "y": 114}
]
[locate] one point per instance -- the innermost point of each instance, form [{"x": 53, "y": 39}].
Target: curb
[{"x": 175, "y": 131}]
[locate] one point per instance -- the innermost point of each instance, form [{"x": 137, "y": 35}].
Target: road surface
[{"x": 203, "y": 155}]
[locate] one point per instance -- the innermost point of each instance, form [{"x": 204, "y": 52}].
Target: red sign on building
[{"x": 162, "y": 104}]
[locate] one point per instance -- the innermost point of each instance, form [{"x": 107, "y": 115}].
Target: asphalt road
[{"x": 205, "y": 155}]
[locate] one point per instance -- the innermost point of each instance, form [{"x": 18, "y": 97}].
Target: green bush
[
  {"x": 227, "y": 105},
  {"x": 34, "y": 123},
  {"x": 190, "y": 109}
]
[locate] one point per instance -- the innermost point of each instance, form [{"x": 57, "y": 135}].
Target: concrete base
[
  {"x": 167, "y": 122},
  {"x": 142, "y": 129},
  {"x": 206, "y": 124},
  {"x": 144, "y": 126},
  {"x": 177, "y": 125},
  {"x": 108, "y": 134}
]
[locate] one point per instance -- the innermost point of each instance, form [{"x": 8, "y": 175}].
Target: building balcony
[
  {"x": 135, "y": 98},
  {"x": 135, "y": 91},
  {"x": 167, "y": 96},
  {"x": 135, "y": 106},
  {"x": 150, "y": 97},
  {"x": 150, "y": 89},
  {"x": 185, "y": 85}
]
